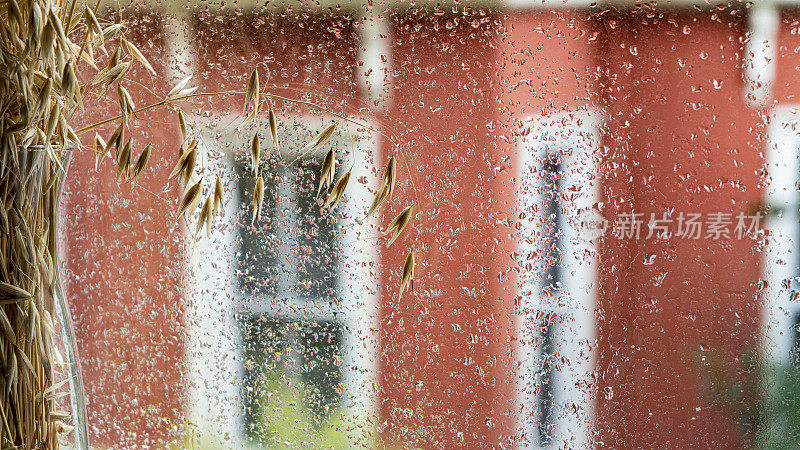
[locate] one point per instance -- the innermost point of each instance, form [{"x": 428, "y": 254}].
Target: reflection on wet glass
[{"x": 605, "y": 231}]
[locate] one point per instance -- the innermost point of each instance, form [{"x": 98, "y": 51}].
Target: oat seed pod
[
  {"x": 338, "y": 190},
  {"x": 204, "y": 217},
  {"x": 124, "y": 161},
  {"x": 217, "y": 194},
  {"x": 399, "y": 223},
  {"x": 126, "y": 105},
  {"x": 251, "y": 94},
  {"x": 318, "y": 140},
  {"x": 182, "y": 123},
  {"x": 190, "y": 198},
  {"x": 408, "y": 273},
  {"x": 116, "y": 138},
  {"x": 141, "y": 163},
  {"x": 273, "y": 127},
  {"x": 380, "y": 197},
  {"x": 255, "y": 152},
  {"x": 185, "y": 165},
  {"x": 100, "y": 151},
  {"x": 326, "y": 174},
  {"x": 390, "y": 175},
  {"x": 258, "y": 199},
  {"x": 133, "y": 51}
]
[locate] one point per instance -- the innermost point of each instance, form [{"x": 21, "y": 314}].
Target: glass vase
[{"x": 41, "y": 394}]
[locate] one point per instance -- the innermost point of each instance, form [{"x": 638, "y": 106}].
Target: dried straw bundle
[
  {"x": 34, "y": 372},
  {"x": 38, "y": 90}
]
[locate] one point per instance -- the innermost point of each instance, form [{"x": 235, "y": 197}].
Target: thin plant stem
[{"x": 166, "y": 101}]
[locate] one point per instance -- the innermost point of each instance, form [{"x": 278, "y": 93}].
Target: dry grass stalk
[{"x": 39, "y": 89}]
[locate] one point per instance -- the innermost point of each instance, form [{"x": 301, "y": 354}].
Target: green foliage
[
  {"x": 285, "y": 418},
  {"x": 782, "y": 408},
  {"x": 762, "y": 396}
]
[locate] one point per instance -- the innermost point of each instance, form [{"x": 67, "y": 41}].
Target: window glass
[{"x": 562, "y": 224}]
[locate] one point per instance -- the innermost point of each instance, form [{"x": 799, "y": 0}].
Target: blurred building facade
[{"x": 519, "y": 332}]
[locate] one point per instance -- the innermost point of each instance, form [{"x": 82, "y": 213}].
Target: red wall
[
  {"x": 445, "y": 356},
  {"x": 124, "y": 275},
  {"x": 671, "y": 139},
  {"x": 674, "y": 140},
  {"x": 299, "y": 55},
  {"x": 546, "y": 66}
]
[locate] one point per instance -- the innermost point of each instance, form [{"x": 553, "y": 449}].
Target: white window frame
[
  {"x": 215, "y": 372},
  {"x": 780, "y": 258},
  {"x": 575, "y": 336}
]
